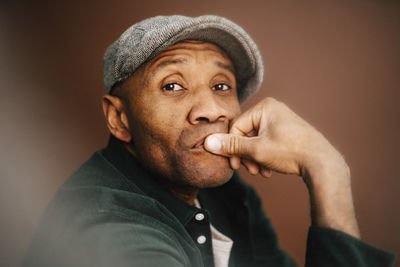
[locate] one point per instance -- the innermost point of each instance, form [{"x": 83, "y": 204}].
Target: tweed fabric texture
[{"x": 144, "y": 40}]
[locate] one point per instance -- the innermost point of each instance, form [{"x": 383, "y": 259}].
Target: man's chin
[
  {"x": 217, "y": 180},
  {"x": 209, "y": 170}
]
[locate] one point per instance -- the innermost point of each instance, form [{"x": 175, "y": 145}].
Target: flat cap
[{"x": 144, "y": 40}]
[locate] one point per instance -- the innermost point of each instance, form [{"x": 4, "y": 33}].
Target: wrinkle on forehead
[
  {"x": 186, "y": 46},
  {"x": 167, "y": 62},
  {"x": 200, "y": 45}
]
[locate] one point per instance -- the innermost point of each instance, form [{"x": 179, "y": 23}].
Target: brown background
[{"x": 334, "y": 62}]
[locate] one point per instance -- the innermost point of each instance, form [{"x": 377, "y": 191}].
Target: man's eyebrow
[
  {"x": 168, "y": 62},
  {"x": 227, "y": 67}
]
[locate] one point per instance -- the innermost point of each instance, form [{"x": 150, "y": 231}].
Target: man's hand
[{"x": 270, "y": 136}]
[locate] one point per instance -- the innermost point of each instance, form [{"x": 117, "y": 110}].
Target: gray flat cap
[{"x": 144, "y": 40}]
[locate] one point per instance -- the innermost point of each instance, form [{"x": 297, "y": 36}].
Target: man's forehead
[{"x": 175, "y": 54}]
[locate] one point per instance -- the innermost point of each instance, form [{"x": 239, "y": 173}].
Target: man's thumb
[{"x": 228, "y": 144}]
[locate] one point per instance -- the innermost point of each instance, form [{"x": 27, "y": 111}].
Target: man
[{"x": 163, "y": 192}]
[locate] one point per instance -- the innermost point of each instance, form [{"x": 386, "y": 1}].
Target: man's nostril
[{"x": 204, "y": 119}]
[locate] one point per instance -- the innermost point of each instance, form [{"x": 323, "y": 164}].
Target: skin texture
[
  {"x": 270, "y": 136},
  {"x": 171, "y": 104},
  {"x": 187, "y": 94}
]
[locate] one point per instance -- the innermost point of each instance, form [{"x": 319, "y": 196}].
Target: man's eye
[
  {"x": 172, "y": 87},
  {"x": 222, "y": 87}
]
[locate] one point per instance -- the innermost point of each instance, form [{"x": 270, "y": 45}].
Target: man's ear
[{"x": 116, "y": 119}]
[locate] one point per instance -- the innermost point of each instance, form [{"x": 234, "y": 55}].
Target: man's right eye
[{"x": 172, "y": 87}]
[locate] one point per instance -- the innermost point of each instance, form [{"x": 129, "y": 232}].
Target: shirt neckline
[{"x": 123, "y": 160}]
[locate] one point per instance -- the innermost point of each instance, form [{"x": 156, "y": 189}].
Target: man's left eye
[
  {"x": 172, "y": 87},
  {"x": 222, "y": 87}
]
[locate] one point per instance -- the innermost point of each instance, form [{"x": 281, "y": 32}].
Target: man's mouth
[
  {"x": 194, "y": 137},
  {"x": 199, "y": 144}
]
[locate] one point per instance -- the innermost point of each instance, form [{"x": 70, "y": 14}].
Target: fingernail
[{"x": 213, "y": 143}]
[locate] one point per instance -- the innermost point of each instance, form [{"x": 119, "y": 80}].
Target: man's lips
[
  {"x": 193, "y": 138},
  {"x": 199, "y": 143}
]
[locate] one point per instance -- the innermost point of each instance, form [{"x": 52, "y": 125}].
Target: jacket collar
[{"x": 123, "y": 160}]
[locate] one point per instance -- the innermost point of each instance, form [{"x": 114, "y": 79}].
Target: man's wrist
[{"x": 329, "y": 184}]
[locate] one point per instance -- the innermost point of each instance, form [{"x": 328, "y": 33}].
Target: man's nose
[{"x": 208, "y": 107}]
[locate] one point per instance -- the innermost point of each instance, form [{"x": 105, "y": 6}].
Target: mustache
[{"x": 190, "y": 136}]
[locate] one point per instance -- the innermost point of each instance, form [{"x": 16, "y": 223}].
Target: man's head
[{"x": 163, "y": 107}]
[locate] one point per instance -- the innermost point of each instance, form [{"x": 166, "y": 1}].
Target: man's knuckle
[
  {"x": 269, "y": 101},
  {"x": 233, "y": 147}
]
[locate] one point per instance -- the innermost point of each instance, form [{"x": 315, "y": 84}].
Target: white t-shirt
[{"x": 221, "y": 245}]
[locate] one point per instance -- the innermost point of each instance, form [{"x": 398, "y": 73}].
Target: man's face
[{"x": 176, "y": 100}]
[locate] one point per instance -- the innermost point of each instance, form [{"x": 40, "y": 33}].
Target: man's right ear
[{"x": 116, "y": 119}]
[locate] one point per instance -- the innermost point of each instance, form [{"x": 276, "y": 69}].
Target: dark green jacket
[{"x": 111, "y": 212}]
